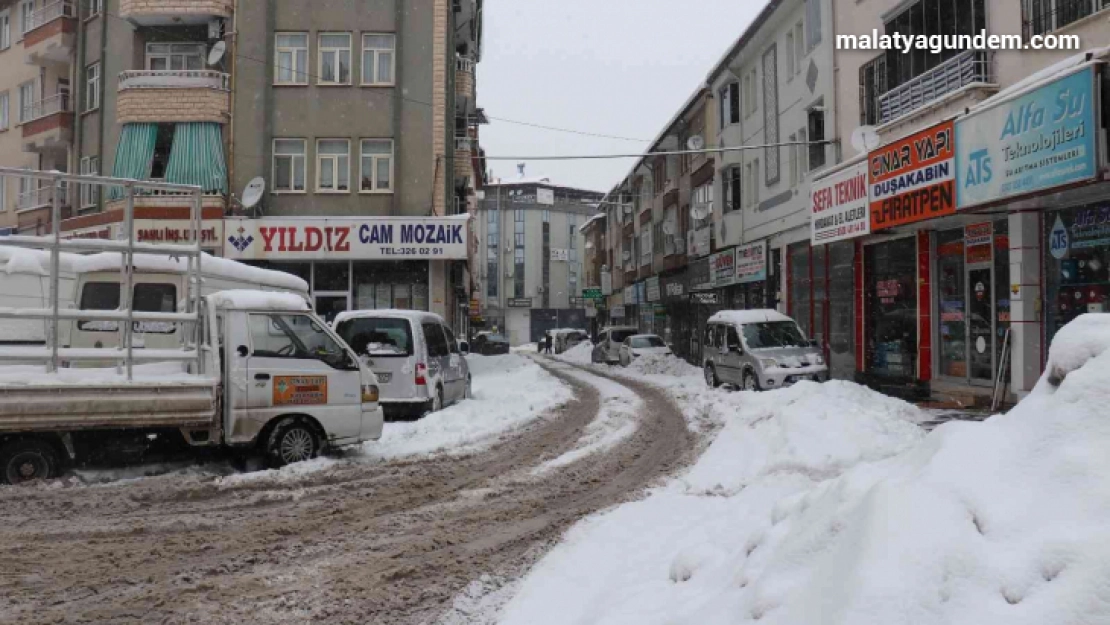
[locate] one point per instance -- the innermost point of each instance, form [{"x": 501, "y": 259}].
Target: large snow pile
[
  {"x": 509, "y": 391},
  {"x": 659, "y": 364},
  {"x": 580, "y": 354},
  {"x": 819, "y": 504}
]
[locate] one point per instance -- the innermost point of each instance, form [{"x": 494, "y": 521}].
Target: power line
[
  {"x": 738, "y": 148},
  {"x": 311, "y": 75}
]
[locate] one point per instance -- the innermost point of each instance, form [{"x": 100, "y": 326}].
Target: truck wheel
[
  {"x": 27, "y": 459},
  {"x": 469, "y": 392},
  {"x": 292, "y": 441},
  {"x": 437, "y": 403},
  {"x": 711, "y": 377},
  {"x": 751, "y": 383}
]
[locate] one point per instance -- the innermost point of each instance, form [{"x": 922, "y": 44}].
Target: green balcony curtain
[
  {"x": 134, "y": 153},
  {"x": 197, "y": 157}
]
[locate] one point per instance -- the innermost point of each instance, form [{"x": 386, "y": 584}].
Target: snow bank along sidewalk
[{"x": 824, "y": 504}]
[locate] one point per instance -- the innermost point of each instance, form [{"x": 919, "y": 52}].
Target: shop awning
[
  {"x": 134, "y": 153},
  {"x": 197, "y": 157}
]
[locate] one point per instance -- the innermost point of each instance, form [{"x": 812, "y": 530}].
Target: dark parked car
[{"x": 488, "y": 344}]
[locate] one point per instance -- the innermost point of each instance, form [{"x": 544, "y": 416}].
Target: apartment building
[
  {"x": 359, "y": 118},
  {"x": 531, "y": 256}
]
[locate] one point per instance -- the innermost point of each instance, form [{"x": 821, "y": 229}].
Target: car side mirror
[
  {"x": 242, "y": 351},
  {"x": 464, "y": 348}
]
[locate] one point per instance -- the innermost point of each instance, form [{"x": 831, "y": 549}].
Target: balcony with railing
[
  {"x": 173, "y": 96},
  {"x": 173, "y": 12},
  {"x": 879, "y": 105},
  {"x": 47, "y": 124},
  {"x": 464, "y": 77},
  {"x": 51, "y": 35},
  {"x": 1044, "y": 16},
  {"x": 465, "y": 148}
]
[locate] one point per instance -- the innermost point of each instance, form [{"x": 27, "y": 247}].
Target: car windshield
[
  {"x": 377, "y": 336},
  {"x": 641, "y": 342},
  {"x": 620, "y": 335},
  {"x": 768, "y": 334},
  {"x": 496, "y": 338}
]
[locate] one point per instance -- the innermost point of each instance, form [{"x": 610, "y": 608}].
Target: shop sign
[
  {"x": 559, "y": 255},
  {"x": 108, "y": 231},
  {"x": 606, "y": 283},
  {"x": 698, "y": 242},
  {"x": 545, "y": 196},
  {"x": 616, "y": 312},
  {"x": 1090, "y": 227},
  {"x": 660, "y": 312},
  {"x": 641, "y": 293},
  {"x": 723, "y": 267},
  {"x": 700, "y": 275},
  {"x": 674, "y": 287},
  {"x": 888, "y": 290},
  {"x": 651, "y": 285},
  {"x": 340, "y": 238},
  {"x": 630, "y": 295},
  {"x": 978, "y": 240},
  {"x": 522, "y": 302},
  {"x": 592, "y": 293},
  {"x": 179, "y": 231},
  {"x": 475, "y": 307},
  {"x": 300, "y": 390},
  {"x": 913, "y": 179},
  {"x": 751, "y": 262},
  {"x": 616, "y": 300},
  {"x": 1043, "y": 139},
  {"x": 706, "y": 299},
  {"x": 838, "y": 206}
]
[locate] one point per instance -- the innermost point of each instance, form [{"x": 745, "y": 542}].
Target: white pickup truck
[{"x": 269, "y": 377}]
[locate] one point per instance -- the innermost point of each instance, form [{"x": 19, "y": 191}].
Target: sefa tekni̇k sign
[{"x": 340, "y": 238}]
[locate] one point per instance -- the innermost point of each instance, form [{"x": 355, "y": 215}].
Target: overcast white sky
[{"x": 615, "y": 67}]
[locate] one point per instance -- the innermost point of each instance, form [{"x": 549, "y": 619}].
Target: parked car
[
  {"x": 759, "y": 349},
  {"x": 420, "y": 366},
  {"x": 609, "y": 340},
  {"x": 490, "y": 344},
  {"x": 642, "y": 344},
  {"x": 568, "y": 338}
]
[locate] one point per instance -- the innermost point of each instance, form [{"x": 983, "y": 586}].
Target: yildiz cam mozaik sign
[
  {"x": 385, "y": 238},
  {"x": 1039, "y": 140}
]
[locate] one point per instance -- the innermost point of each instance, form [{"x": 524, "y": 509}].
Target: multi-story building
[
  {"x": 531, "y": 256},
  {"x": 353, "y": 115}
]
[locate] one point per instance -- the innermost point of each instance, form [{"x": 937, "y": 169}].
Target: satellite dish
[
  {"x": 253, "y": 192},
  {"x": 865, "y": 139},
  {"x": 699, "y": 211},
  {"x": 217, "y": 52},
  {"x": 668, "y": 228},
  {"x": 695, "y": 142}
]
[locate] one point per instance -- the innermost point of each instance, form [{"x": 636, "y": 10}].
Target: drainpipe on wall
[
  {"x": 103, "y": 112},
  {"x": 78, "y": 91},
  {"x": 398, "y": 104},
  {"x": 232, "y": 67}
]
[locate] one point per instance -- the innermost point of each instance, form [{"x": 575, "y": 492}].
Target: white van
[
  {"x": 25, "y": 283},
  {"x": 419, "y": 364}
]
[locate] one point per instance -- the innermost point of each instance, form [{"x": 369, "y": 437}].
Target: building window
[
  {"x": 26, "y": 100},
  {"x": 659, "y": 175},
  {"x": 289, "y": 165},
  {"x": 1043, "y": 16},
  {"x": 803, "y": 153},
  {"x": 546, "y": 216},
  {"x": 3, "y": 195},
  {"x": 291, "y": 58},
  {"x": 335, "y": 59},
  {"x": 816, "y": 127},
  {"x": 518, "y": 229},
  {"x": 701, "y": 201},
  {"x": 751, "y": 183},
  {"x": 92, "y": 87},
  {"x": 5, "y": 29},
  {"x": 799, "y": 46},
  {"x": 93, "y": 8},
  {"x": 751, "y": 92},
  {"x": 377, "y": 165},
  {"x": 813, "y": 21},
  {"x": 377, "y": 59},
  {"x": 5, "y": 119},
  {"x": 731, "y": 182},
  {"x": 333, "y": 165},
  {"x": 90, "y": 193},
  {"x": 175, "y": 56},
  {"x": 26, "y": 8},
  {"x": 791, "y": 61},
  {"x": 730, "y": 104},
  {"x": 771, "y": 114},
  {"x": 518, "y": 272},
  {"x": 934, "y": 17}
]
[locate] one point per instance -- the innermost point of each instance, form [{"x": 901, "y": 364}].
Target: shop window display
[
  {"x": 891, "y": 308},
  {"x": 1077, "y": 259}
]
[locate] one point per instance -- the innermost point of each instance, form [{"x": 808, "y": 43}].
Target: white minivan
[{"x": 420, "y": 366}]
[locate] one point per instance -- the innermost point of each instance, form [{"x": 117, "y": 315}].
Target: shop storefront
[
  {"x": 680, "y": 320},
  {"x": 891, "y": 306},
  {"x": 360, "y": 264},
  {"x": 704, "y": 303},
  {"x": 1077, "y": 264}
]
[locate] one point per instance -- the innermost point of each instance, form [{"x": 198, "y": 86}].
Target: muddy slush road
[{"x": 385, "y": 543}]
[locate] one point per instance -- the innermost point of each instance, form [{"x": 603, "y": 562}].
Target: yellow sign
[{"x": 300, "y": 390}]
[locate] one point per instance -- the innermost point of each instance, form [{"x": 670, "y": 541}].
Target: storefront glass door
[
  {"x": 891, "y": 309},
  {"x": 980, "y": 324}
]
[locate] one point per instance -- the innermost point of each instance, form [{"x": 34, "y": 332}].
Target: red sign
[
  {"x": 913, "y": 179},
  {"x": 305, "y": 239},
  {"x": 175, "y": 235},
  {"x": 977, "y": 242}
]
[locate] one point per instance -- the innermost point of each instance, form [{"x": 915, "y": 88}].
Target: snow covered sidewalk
[{"x": 827, "y": 504}]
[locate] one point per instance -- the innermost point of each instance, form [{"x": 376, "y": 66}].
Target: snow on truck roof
[
  {"x": 18, "y": 260},
  {"x": 258, "y": 300},
  {"x": 748, "y": 316},
  {"x": 412, "y": 315}
]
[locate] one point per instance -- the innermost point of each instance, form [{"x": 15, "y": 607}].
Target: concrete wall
[{"x": 264, "y": 111}]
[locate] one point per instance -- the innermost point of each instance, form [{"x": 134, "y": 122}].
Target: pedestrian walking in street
[{"x": 547, "y": 343}]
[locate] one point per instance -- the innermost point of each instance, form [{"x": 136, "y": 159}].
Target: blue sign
[{"x": 1040, "y": 140}]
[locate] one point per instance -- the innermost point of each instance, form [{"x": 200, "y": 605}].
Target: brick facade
[
  {"x": 136, "y": 8},
  {"x": 464, "y": 83},
  {"x": 172, "y": 105},
  {"x": 439, "y": 99}
]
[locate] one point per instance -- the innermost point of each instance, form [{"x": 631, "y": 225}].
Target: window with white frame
[
  {"x": 730, "y": 104},
  {"x": 5, "y": 29},
  {"x": 377, "y": 165},
  {"x": 289, "y": 165},
  {"x": 93, "y": 8},
  {"x": 333, "y": 165},
  {"x": 26, "y": 100},
  {"x": 175, "y": 56},
  {"x": 3, "y": 194},
  {"x": 751, "y": 186},
  {"x": 26, "y": 8},
  {"x": 701, "y": 199},
  {"x": 799, "y": 46},
  {"x": 5, "y": 118},
  {"x": 291, "y": 58},
  {"x": 335, "y": 59},
  {"x": 90, "y": 193},
  {"x": 26, "y": 185},
  {"x": 92, "y": 87},
  {"x": 378, "y": 58},
  {"x": 790, "y": 54}
]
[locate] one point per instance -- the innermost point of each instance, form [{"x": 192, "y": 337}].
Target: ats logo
[{"x": 240, "y": 242}]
